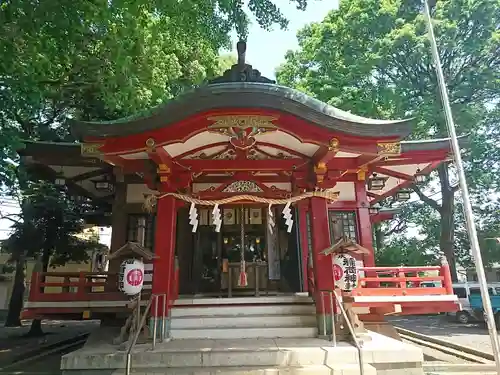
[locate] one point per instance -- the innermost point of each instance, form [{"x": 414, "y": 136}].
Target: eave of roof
[
  {"x": 249, "y": 95},
  {"x": 431, "y": 144},
  {"x": 30, "y": 147}
]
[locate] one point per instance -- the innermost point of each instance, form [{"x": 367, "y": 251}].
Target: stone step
[
  {"x": 268, "y": 354},
  {"x": 261, "y": 300},
  {"x": 225, "y": 310},
  {"x": 307, "y": 370},
  {"x": 287, "y": 356},
  {"x": 246, "y": 333},
  {"x": 244, "y": 321},
  {"x": 285, "y": 352}
]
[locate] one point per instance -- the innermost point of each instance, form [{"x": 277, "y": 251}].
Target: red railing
[
  {"x": 401, "y": 281},
  {"x": 101, "y": 286},
  {"x": 73, "y": 286}
]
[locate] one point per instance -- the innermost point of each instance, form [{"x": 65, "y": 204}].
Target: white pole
[{"x": 469, "y": 215}]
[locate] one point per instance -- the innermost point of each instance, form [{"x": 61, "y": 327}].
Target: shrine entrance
[{"x": 272, "y": 258}]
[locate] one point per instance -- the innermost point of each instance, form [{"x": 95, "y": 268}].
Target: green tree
[
  {"x": 373, "y": 58},
  {"x": 424, "y": 239},
  {"x": 99, "y": 60},
  {"x": 225, "y": 62},
  {"x": 48, "y": 232},
  {"x": 405, "y": 251}
]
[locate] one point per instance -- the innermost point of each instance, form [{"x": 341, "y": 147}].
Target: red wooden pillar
[
  {"x": 163, "y": 264},
  {"x": 304, "y": 245},
  {"x": 364, "y": 223},
  {"x": 323, "y": 270}
]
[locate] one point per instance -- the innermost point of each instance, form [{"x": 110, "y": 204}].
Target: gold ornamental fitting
[
  {"x": 150, "y": 143},
  {"x": 392, "y": 148},
  {"x": 333, "y": 145}
]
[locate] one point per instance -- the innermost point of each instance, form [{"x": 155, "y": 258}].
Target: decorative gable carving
[{"x": 243, "y": 186}]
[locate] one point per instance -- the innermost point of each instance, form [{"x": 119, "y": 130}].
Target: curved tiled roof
[{"x": 250, "y": 95}]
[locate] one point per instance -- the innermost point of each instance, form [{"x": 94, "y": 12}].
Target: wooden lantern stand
[{"x": 346, "y": 246}]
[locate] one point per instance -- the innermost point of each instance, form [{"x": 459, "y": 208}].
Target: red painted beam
[
  {"x": 340, "y": 177},
  {"x": 342, "y": 164},
  {"x": 372, "y": 195},
  {"x": 211, "y": 195},
  {"x": 242, "y": 165},
  {"x": 277, "y": 165},
  {"x": 166, "y": 214},
  {"x": 160, "y": 156},
  {"x": 324, "y": 155}
]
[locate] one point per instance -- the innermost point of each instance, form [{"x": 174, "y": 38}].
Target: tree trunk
[
  {"x": 42, "y": 264},
  {"x": 17, "y": 296},
  {"x": 447, "y": 235}
]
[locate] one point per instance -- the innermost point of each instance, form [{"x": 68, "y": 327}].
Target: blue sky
[{"x": 265, "y": 51}]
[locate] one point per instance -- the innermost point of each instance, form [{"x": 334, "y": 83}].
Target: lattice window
[
  {"x": 343, "y": 223},
  {"x": 149, "y": 236}
]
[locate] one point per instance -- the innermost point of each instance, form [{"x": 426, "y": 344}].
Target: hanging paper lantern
[
  {"x": 131, "y": 276},
  {"x": 345, "y": 272}
]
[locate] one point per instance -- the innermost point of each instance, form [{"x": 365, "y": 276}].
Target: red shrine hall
[{"x": 242, "y": 187}]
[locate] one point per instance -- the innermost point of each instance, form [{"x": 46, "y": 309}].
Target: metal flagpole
[{"x": 469, "y": 216}]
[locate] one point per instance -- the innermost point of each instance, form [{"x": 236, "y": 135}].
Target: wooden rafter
[
  {"x": 405, "y": 184},
  {"x": 325, "y": 153},
  {"x": 160, "y": 156}
]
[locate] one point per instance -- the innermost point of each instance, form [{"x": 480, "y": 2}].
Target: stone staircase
[
  {"x": 252, "y": 336},
  {"x": 244, "y": 336},
  {"x": 249, "y": 357},
  {"x": 244, "y": 318}
]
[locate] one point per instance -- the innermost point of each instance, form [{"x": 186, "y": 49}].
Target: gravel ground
[{"x": 472, "y": 335}]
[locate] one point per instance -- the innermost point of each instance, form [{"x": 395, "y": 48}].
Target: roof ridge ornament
[{"x": 241, "y": 71}]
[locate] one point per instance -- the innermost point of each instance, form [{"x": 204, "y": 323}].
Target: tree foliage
[
  {"x": 99, "y": 60},
  {"x": 54, "y": 227},
  {"x": 50, "y": 232},
  {"x": 416, "y": 230},
  {"x": 373, "y": 58},
  {"x": 225, "y": 62},
  {"x": 405, "y": 251}
]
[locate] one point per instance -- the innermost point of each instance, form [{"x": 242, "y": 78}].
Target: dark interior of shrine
[{"x": 210, "y": 261}]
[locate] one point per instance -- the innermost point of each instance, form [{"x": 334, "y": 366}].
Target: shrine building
[{"x": 241, "y": 191}]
